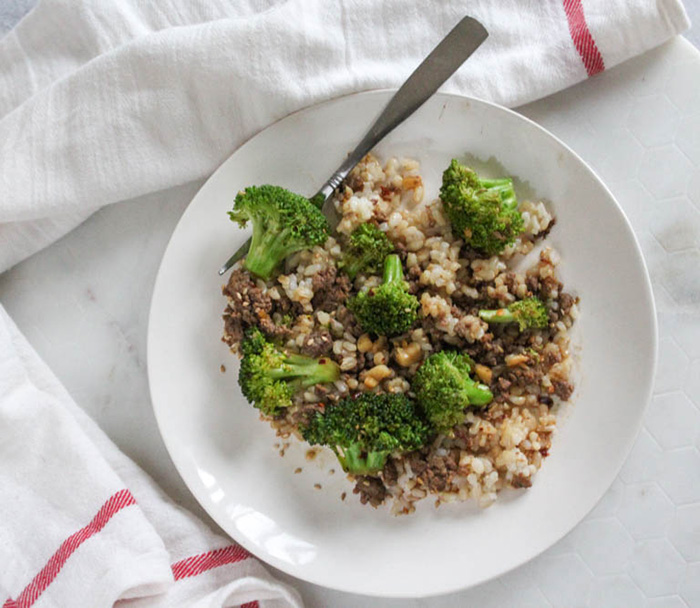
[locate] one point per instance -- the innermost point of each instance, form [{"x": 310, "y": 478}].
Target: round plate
[{"x": 227, "y": 457}]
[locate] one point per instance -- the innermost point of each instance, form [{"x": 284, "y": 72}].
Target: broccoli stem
[
  {"x": 393, "y": 271},
  {"x": 504, "y": 187},
  {"x": 352, "y": 269},
  {"x": 267, "y": 249},
  {"x": 479, "y": 394},
  {"x": 358, "y": 463},
  {"x": 500, "y": 315},
  {"x": 307, "y": 370}
]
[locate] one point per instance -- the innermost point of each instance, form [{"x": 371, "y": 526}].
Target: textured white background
[{"x": 83, "y": 304}]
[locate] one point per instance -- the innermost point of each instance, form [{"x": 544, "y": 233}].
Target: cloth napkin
[
  {"x": 106, "y": 100},
  {"x": 82, "y": 526}
]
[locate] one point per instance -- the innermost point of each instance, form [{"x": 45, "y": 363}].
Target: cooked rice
[{"x": 502, "y": 445}]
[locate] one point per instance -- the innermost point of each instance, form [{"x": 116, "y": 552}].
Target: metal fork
[{"x": 436, "y": 68}]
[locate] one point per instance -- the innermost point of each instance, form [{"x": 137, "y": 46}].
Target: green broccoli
[
  {"x": 364, "y": 431},
  {"x": 387, "y": 310},
  {"x": 444, "y": 389},
  {"x": 283, "y": 222},
  {"x": 484, "y": 212},
  {"x": 530, "y": 313},
  {"x": 269, "y": 376},
  {"x": 367, "y": 249}
]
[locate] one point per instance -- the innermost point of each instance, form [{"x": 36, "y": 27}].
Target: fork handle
[{"x": 436, "y": 68}]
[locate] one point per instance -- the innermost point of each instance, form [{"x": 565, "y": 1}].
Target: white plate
[{"x": 226, "y": 455}]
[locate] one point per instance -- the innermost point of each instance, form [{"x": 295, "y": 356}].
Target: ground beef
[
  {"x": 390, "y": 475},
  {"x": 510, "y": 281},
  {"x": 248, "y": 305},
  {"x": 345, "y": 316},
  {"x": 413, "y": 280},
  {"x": 438, "y": 472},
  {"x": 533, "y": 285},
  {"x": 563, "y": 389},
  {"x": 474, "y": 446},
  {"x": 548, "y": 285},
  {"x": 354, "y": 182},
  {"x": 543, "y": 234},
  {"x": 523, "y": 375},
  {"x": 488, "y": 351},
  {"x": 233, "y": 330},
  {"x": 273, "y": 331},
  {"x": 387, "y": 192},
  {"x": 401, "y": 250},
  {"x": 317, "y": 343},
  {"x": 379, "y": 216},
  {"x": 435, "y": 335},
  {"x": 371, "y": 490},
  {"x": 418, "y": 462},
  {"x": 302, "y": 415},
  {"x": 504, "y": 384},
  {"x": 551, "y": 357},
  {"x": 330, "y": 289},
  {"x": 246, "y": 298},
  {"x": 521, "y": 481},
  {"x": 323, "y": 279},
  {"x": 566, "y": 303}
]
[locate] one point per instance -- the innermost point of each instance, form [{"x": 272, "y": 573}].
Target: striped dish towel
[{"x": 82, "y": 526}]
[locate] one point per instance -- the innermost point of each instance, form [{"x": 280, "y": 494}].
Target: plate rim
[{"x": 651, "y": 312}]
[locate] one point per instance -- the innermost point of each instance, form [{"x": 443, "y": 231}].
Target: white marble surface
[{"x": 83, "y": 303}]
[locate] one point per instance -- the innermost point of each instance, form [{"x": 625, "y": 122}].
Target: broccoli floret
[
  {"x": 484, "y": 212},
  {"x": 269, "y": 376},
  {"x": 367, "y": 249},
  {"x": 283, "y": 222},
  {"x": 530, "y": 313},
  {"x": 444, "y": 389},
  {"x": 287, "y": 319},
  {"x": 364, "y": 431},
  {"x": 387, "y": 310}
]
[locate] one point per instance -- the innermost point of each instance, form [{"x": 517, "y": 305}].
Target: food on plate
[
  {"x": 483, "y": 212},
  {"x": 366, "y": 251},
  {"x": 283, "y": 222},
  {"x": 530, "y": 313},
  {"x": 445, "y": 389},
  {"x": 426, "y": 342},
  {"x": 269, "y": 376},
  {"x": 387, "y": 309},
  {"x": 364, "y": 430}
]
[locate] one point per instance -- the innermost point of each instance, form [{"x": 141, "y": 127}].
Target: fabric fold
[{"x": 82, "y": 525}]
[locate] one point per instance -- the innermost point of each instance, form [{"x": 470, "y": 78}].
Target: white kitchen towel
[
  {"x": 82, "y": 526},
  {"x": 105, "y": 100}
]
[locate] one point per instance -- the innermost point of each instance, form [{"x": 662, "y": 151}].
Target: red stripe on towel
[
  {"x": 41, "y": 581},
  {"x": 582, "y": 38},
  {"x": 197, "y": 564},
  {"x": 250, "y": 605}
]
